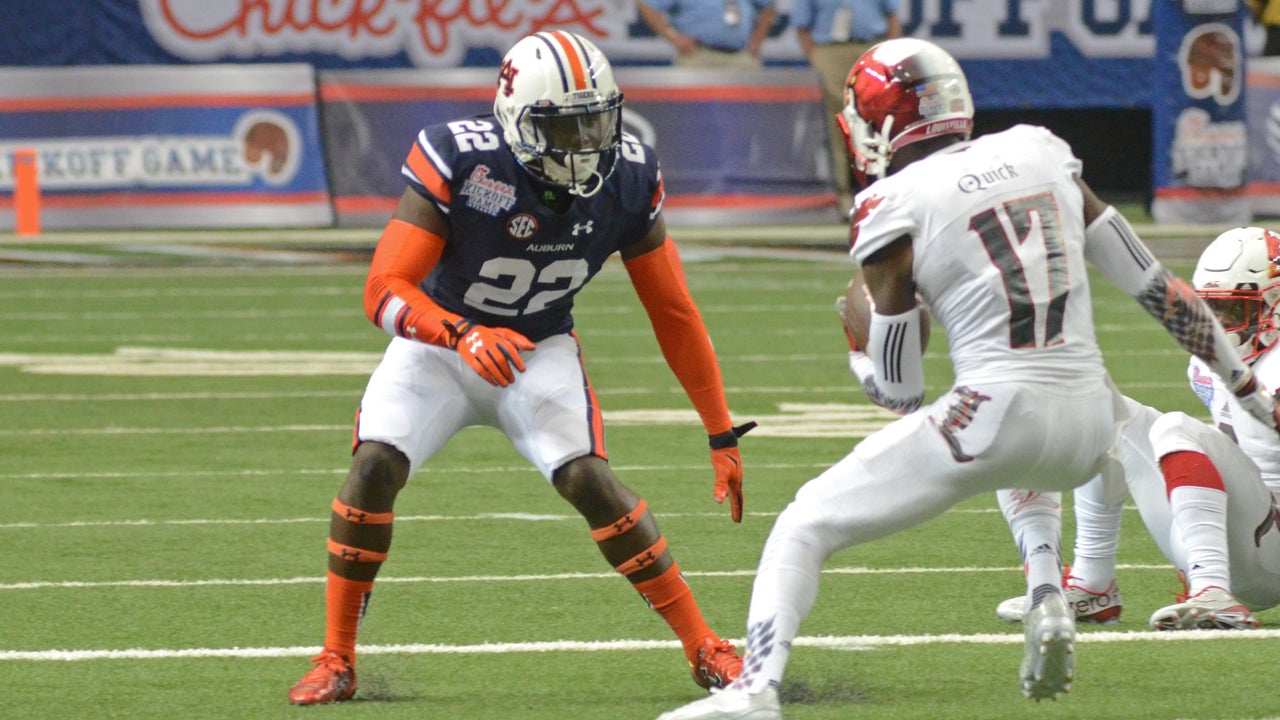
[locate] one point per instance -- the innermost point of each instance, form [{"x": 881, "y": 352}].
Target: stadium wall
[{"x": 1081, "y": 67}]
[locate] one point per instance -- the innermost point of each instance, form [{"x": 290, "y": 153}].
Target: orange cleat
[
  {"x": 717, "y": 664},
  {"x": 332, "y": 680}
]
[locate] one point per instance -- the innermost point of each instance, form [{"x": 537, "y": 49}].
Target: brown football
[{"x": 858, "y": 307}]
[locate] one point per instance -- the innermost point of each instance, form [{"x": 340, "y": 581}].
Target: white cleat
[
  {"x": 1090, "y": 606},
  {"x": 1210, "y": 609},
  {"x": 731, "y": 703},
  {"x": 1048, "y": 659}
]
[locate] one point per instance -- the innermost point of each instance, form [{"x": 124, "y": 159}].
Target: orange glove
[
  {"x": 728, "y": 466},
  {"x": 491, "y": 352}
]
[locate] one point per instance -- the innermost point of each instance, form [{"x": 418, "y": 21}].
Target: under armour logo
[
  {"x": 623, "y": 524},
  {"x": 352, "y": 555},
  {"x": 645, "y": 560},
  {"x": 585, "y": 227},
  {"x": 474, "y": 343},
  {"x": 354, "y": 515}
]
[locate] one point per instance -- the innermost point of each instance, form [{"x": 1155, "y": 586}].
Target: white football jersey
[
  {"x": 1257, "y": 440},
  {"x": 997, "y": 229}
]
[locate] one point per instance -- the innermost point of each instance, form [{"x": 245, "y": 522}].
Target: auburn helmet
[
  {"x": 899, "y": 92},
  {"x": 560, "y": 110},
  {"x": 1238, "y": 275}
]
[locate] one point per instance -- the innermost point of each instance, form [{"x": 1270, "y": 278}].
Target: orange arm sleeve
[
  {"x": 405, "y": 255},
  {"x": 658, "y": 278}
]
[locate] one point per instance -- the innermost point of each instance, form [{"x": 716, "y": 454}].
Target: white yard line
[
  {"x": 467, "y": 579},
  {"x": 846, "y": 642}
]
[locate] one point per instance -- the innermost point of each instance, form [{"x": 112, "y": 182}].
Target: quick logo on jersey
[
  {"x": 522, "y": 226},
  {"x": 486, "y": 195},
  {"x": 977, "y": 182}
]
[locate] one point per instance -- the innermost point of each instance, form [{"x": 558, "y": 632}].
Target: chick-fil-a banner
[
  {"x": 714, "y": 171},
  {"x": 1198, "y": 117},
  {"x": 1018, "y": 53},
  {"x": 208, "y": 146},
  {"x": 1262, "y": 104}
]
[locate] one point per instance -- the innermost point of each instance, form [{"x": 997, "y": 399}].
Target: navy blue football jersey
[{"x": 512, "y": 260}]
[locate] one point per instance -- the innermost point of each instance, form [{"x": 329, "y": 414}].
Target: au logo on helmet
[{"x": 562, "y": 115}]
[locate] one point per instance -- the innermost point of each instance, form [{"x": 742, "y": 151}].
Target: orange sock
[
  {"x": 670, "y": 595},
  {"x": 345, "y": 602}
]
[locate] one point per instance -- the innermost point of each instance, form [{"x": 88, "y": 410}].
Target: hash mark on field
[
  {"x": 848, "y": 642},
  {"x": 548, "y": 577}
]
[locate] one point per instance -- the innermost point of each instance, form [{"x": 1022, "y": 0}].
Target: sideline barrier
[
  {"x": 138, "y": 147},
  {"x": 1262, "y": 101},
  {"x": 215, "y": 146},
  {"x": 736, "y": 148}
]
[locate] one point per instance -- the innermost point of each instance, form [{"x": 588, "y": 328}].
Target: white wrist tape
[{"x": 893, "y": 344}]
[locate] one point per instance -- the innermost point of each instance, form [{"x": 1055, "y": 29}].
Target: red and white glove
[
  {"x": 491, "y": 352},
  {"x": 842, "y": 309},
  {"x": 728, "y": 466}
]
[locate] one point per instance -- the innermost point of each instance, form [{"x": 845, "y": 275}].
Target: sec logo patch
[{"x": 522, "y": 226}]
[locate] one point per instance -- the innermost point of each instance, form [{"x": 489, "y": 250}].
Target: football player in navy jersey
[{"x": 505, "y": 219}]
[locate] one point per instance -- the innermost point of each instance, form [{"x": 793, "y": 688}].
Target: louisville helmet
[
  {"x": 1238, "y": 275},
  {"x": 560, "y": 110},
  {"x": 899, "y": 92}
]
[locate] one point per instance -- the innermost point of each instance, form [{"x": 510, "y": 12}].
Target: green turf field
[{"x": 176, "y": 423}]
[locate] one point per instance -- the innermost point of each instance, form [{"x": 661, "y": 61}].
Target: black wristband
[{"x": 729, "y": 438}]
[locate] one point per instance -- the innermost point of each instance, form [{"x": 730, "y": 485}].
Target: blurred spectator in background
[
  {"x": 833, "y": 35},
  {"x": 1267, "y": 13},
  {"x": 712, "y": 33}
]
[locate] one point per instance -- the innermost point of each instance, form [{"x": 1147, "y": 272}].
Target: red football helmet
[{"x": 899, "y": 92}]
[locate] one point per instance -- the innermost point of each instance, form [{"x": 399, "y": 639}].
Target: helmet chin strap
[
  {"x": 588, "y": 186},
  {"x": 586, "y": 189}
]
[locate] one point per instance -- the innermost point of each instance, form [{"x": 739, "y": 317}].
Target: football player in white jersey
[
  {"x": 994, "y": 235},
  {"x": 1209, "y": 503},
  {"x": 505, "y": 218}
]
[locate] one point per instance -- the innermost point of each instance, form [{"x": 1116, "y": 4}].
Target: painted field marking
[
  {"x": 544, "y": 577},
  {"x": 793, "y": 420},
  {"x": 830, "y": 642}
]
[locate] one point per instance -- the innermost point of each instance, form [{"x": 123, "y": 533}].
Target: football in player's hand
[{"x": 856, "y": 309}]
